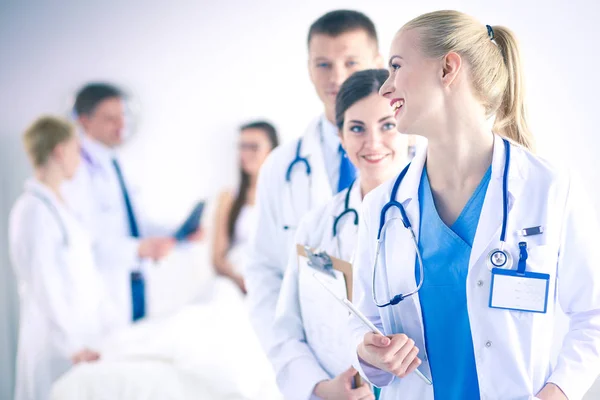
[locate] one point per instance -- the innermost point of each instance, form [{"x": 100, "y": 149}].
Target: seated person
[{"x": 235, "y": 216}]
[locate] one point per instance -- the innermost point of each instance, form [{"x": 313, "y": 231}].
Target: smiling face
[
  {"x": 414, "y": 87},
  {"x": 370, "y": 138}
]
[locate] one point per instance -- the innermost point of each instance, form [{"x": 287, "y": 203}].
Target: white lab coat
[
  {"x": 512, "y": 348},
  {"x": 280, "y": 206},
  {"x": 96, "y": 198},
  {"x": 63, "y": 303},
  {"x": 307, "y": 354}
]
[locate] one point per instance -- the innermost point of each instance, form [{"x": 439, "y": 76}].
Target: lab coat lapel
[
  {"x": 400, "y": 256},
  {"x": 299, "y": 188},
  {"x": 346, "y": 230},
  {"x": 321, "y": 191},
  {"x": 348, "y": 225},
  {"x": 329, "y": 241},
  {"x": 399, "y": 253},
  {"x": 398, "y": 247},
  {"x": 490, "y": 221}
]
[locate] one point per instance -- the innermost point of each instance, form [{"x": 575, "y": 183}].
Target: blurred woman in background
[
  {"x": 235, "y": 216},
  {"x": 63, "y": 310}
]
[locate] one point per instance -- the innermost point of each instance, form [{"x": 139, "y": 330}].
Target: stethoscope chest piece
[{"x": 498, "y": 258}]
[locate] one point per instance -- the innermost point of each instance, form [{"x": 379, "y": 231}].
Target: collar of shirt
[
  {"x": 330, "y": 142},
  {"x": 97, "y": 152},
  {"x": 329, "y": 135},
  {"x": 35, "y": 186}
]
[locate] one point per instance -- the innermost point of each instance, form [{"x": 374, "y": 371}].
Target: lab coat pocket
[{"x": 541, "y": 257}]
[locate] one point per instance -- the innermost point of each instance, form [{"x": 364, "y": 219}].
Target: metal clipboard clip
[{"x": 320, "y": 261}]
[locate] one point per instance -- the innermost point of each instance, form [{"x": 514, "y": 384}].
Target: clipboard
[
  {"x": 324, "y": 263},
  {"x": 191, "y": 224},
  {"x": 339, "y": 265}
]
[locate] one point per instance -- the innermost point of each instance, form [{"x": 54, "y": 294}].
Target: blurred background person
[
  {"x": 102, "y": 198},
  {"x": 64, "y": 310},
  {"x": 236, "y": 214}
]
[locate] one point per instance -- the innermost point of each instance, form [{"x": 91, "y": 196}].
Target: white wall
[{"x": 200, "y": 68}]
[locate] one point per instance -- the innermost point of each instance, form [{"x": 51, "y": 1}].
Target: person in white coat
[
  {"x": 308, "y": 364},
  {"x": 64, "y": 310},
  {"x": 104, "y": 201},
  {"x": 464, "y": 272},
  {"x": 307, "y": 172}
]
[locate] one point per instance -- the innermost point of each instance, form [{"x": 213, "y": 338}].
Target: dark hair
[
  {"x": 360, "y": 85},
  {"x": 93, "y": 94},
  {"x": 337, "y": 22},
  {"x": 242, "y": 194}
]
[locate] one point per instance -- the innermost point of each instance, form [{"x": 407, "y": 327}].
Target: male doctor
[
  {"x": 101, "y": 198},
  {"x": 339, "y": 43}
]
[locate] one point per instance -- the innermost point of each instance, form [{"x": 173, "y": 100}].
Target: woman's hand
[
  {"x": 85, "y": 355},
  {"x": 551, "y": 392},
  {"x": 340, "y": 388},
  {"x": 239, "y": 280},
  {"x": 395, "y": 354},
  {"x": 196, "y": 236}
]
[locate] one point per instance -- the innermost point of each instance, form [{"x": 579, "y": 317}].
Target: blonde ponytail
[
  {"x": 493, "y": 56},
  {"x": 511, "y": 121}
]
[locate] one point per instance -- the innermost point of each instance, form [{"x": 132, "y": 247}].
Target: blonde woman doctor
[
  {"x": 482, "y": 240},
  {"x": 311, "y": 363},
  {"x": 63, "y": 309}
]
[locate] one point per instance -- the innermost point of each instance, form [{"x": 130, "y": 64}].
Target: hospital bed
[{"x": 197, "y": 344}]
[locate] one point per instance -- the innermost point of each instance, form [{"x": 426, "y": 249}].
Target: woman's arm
[{"x": 222, "y": 243}]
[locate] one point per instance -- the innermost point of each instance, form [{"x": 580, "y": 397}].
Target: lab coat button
[
  {"x": 488, "y": 344},
  {"x": 479, "y": 283}
]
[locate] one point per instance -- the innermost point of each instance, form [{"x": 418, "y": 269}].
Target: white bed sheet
[{"x": 204, "y": 351}]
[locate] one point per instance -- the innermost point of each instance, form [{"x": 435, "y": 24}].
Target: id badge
[{"x": 520, "y": 291}]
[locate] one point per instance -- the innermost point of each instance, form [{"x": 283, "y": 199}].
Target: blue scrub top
[{"x": 443, "y": 296}]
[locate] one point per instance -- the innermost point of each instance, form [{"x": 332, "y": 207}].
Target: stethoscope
[
  {"x": 497, "y": 258},
  {"x": 298, "y": 159},
  {"x": 347, "y": 210},
  {"x": 54, "y": 211}
]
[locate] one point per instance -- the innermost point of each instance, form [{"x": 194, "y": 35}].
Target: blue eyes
[
  {"x": 326, "y": 65},
  {"x": 358, "y": 129}
]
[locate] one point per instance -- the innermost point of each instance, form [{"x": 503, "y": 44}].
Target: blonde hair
[
  {"x": 495, "y": 65},
  {"x": 42, "y": 137}
]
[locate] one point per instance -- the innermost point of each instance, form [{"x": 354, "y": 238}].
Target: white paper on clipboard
[{"x": 323, "y": 317}]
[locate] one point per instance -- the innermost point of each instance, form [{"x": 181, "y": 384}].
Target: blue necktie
[
  {"x": 347, "y": 170},
  {"x": 138, "y": 296}
]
